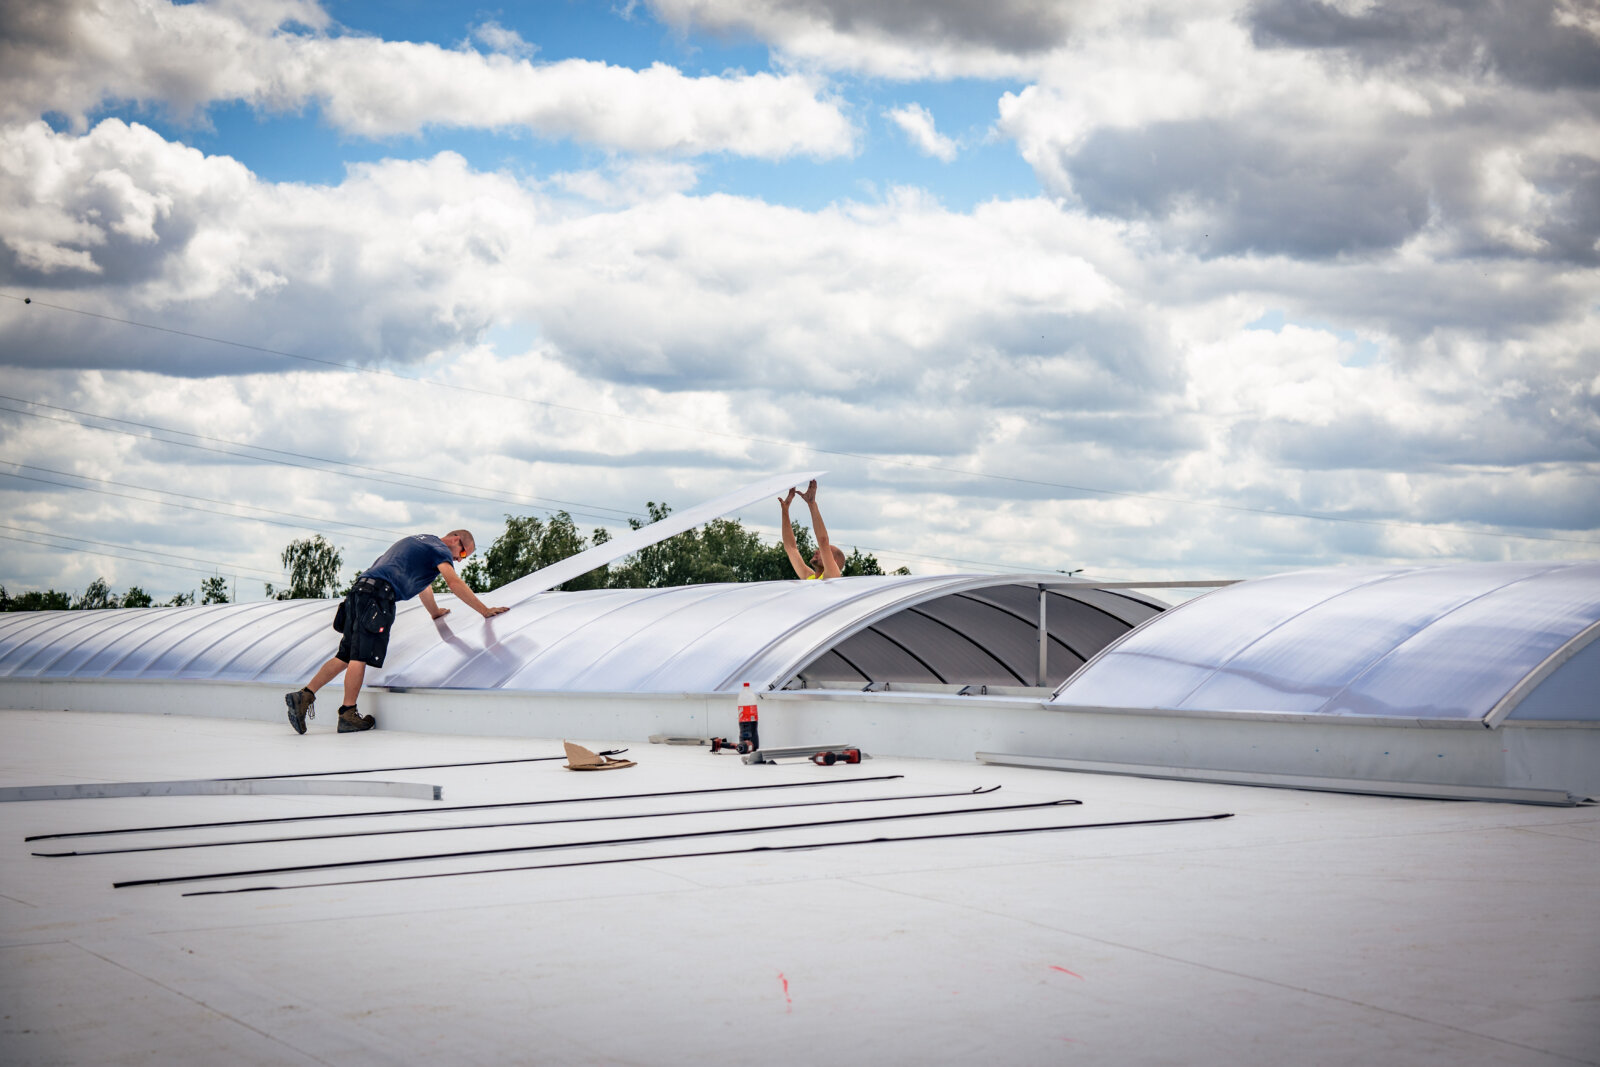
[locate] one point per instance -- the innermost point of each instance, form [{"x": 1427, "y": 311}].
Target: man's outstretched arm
[
  {"x": 830, "y": 565},
  {"x": 464, "y": 593},
  {"x": 426, "y": 596},
  {"x": 789, "y": 546}
]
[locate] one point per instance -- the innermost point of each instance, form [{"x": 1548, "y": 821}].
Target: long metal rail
[
  {"x": 455, "y": 807},
  {"x": 980, "y": 791},
  {"x": 296, "y": 868},
  {"x": 719, "y": 852}
]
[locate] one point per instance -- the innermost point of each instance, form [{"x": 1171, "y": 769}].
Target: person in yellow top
[{"x": 828, "y": 560}]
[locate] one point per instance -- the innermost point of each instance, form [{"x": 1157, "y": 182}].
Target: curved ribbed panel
[
  {"x": 685, "y": 639},
  {"x": 981, "y": 636},
  {"x": 1434, "y": 642}
]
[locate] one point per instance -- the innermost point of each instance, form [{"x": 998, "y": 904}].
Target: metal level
[
  {"x": 769, "y": 755},
  {"x": 210, "y": 787}
]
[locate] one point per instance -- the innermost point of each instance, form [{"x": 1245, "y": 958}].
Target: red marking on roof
[{"x": 1063, "y": 970}]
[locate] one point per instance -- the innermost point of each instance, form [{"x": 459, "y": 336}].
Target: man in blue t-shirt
[{"x": 366, "y": 617}]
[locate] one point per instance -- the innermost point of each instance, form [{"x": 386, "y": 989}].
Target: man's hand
[
  {"x": 810, "y": 495},
  {"x": 786, "y": 501},
  {"x": 441, "y": 613},
  {"x": 490, "y": 613}
]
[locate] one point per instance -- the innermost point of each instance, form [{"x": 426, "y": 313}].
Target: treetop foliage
[{"x": 720, "y": 551}]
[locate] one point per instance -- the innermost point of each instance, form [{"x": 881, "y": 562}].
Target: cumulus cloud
[
  {"x": 1545, "y": 44},
  {"x": 916, "y": 122},
  {"x": 499, "y": 38},
  {"x": 71, "y": 58},
  {"x": 890, "y": 38},
  {"x": 1249, "y": 131},
  {"x": 1279, "y": 264},
  {"x": 1023, "y": 337}
]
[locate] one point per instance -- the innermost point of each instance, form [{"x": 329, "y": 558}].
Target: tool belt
[{"x": 374, "y": 587}]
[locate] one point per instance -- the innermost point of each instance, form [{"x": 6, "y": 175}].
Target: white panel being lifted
[{"x": 592, "y": 558}]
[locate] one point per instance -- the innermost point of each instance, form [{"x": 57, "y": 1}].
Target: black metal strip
[
  {"x": 579, "y": 844},
  {"x": 980, "y": 791},
  {"x": 412, "y": 767},
  {"x": 719, "y": 852},
  {"x": 456, "y": 807}
]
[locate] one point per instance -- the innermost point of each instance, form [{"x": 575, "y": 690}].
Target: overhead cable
[
  {"x": 229, "y": 570},
  {"x": 437, "y": 485},
  {"x": 791, "y": 445},
  {"x": 303, "y": 523}
]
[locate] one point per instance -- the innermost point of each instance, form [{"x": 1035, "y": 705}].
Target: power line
[
  {"x": 304, "y": 523},
  {"x": 215, "y": 568},
  {"x": 437, "y": 487},
  {"x": 753, "y": 439}
]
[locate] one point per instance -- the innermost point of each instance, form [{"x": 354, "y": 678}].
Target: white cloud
[
  {"x": 72, "y": 57},
  {"x": 1423, "y": 236},
  {"x": 499, "y": 38},
  {"x": 1022, "y": 338},
  {"x": 916, "y": 122},
  {"x": 890, "y": 38}
]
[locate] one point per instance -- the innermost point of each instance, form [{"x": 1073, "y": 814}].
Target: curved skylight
[{"x": 1447, "y": 642}]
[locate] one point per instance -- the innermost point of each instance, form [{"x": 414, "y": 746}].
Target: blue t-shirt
[{"x": 411, "y": 564}]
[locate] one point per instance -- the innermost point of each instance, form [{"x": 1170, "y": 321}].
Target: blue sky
[{"x": 1163, "y": 290}]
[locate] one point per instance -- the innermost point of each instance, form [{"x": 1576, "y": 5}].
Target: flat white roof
[{"x": 1308, "y": 928}]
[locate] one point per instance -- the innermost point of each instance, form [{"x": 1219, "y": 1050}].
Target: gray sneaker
[
  {"x": 300, "y": 708},
  {"x": 351, "y": 720}
]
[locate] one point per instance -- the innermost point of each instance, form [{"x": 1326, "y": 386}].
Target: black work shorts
[{"x": 368, "y": 619}]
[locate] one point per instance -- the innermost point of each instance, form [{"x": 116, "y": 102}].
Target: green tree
[
  {"x": 97, "y": 596},
  {"x": 530, "y": 544},
  {"x": 34, "y": 600},
  {"x": 720, "y": 551},
  {"x": 214, "y": 590},
  {"x": 180, "y": 600},
  {"x": 313, "y": 565},
  {"x": 135, "y": 598}
]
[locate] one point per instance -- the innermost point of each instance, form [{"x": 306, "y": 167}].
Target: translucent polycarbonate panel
[
  {"x": 1084, "y": 625},
  {"x": 1571, "y": 694},
  {"x": 170, "y": 629},
  {"x": 718, "y": 634},
  {"x": 839, "y": 607},
  {"x": 45, "y": 634},
  {"x": 265, "y": 632},
  {"x": 73, "y": 651},
  {"x": 952, "y": 654},
  {"x": 1124, "y": 605},
  {"x": 1000, "y": 633},
  {"x": 870, "y": 654},
  {"x": 107, "y": 654},
  {"x": 463, "y": 650},
  {"x": 1445, "y": 642},
  {"x": 832, "y": 669},
  {"x": 207, "y": 650},
  {"x": 69, "y": 647},
  {"x": 1460, "y": 667},
  {"x": 17, "y": 621},
  {"x": 1160, "y": 664},
  {"x": 653, "y": 657},
  {"x": 683, "y": 639},
  {"x": 1303, "y": 663}
]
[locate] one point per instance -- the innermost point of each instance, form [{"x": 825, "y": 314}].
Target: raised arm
[
  {"x": 799, "y": 565},
  {"x": 464, "y": 593},
  {"x": 826, "y": 554}
]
